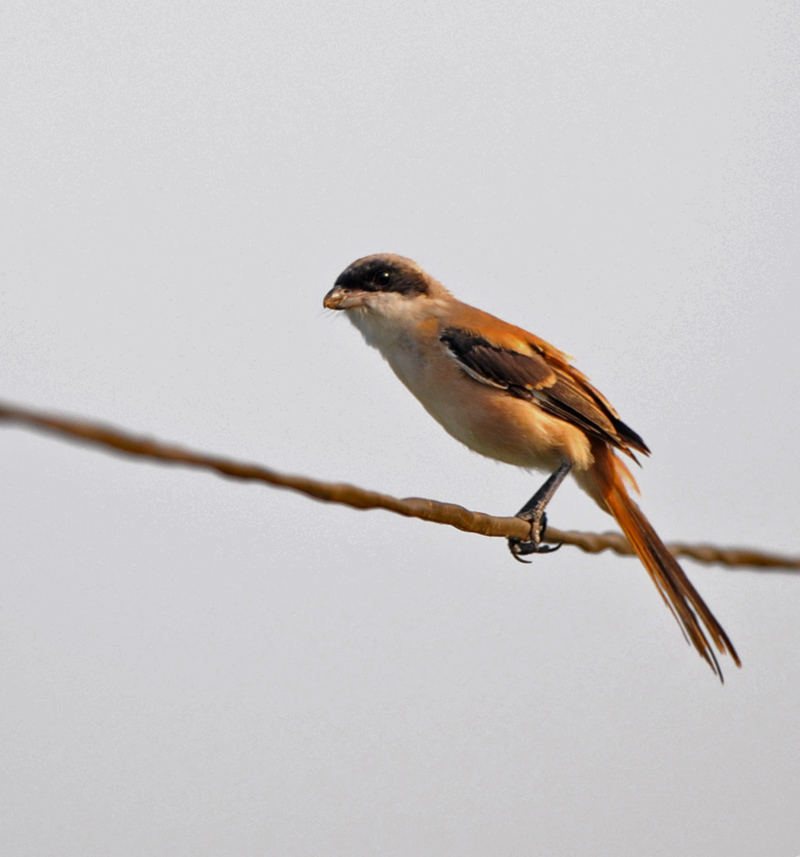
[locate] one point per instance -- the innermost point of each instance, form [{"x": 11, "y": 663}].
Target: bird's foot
[{"x": 520, "y": 548}]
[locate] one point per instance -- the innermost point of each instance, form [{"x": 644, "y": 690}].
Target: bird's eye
[{"x": 383, "y": 278}]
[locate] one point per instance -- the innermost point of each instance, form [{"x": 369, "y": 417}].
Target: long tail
[{"x": 606, "y": 483}]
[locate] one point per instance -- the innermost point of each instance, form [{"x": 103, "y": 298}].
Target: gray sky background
[{"x": 195, "y": 667}]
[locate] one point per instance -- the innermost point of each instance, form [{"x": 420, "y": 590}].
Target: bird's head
[{"x": 378, "y": 283}]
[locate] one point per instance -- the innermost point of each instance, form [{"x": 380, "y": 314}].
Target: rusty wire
[{"x": 117, "y": 440}]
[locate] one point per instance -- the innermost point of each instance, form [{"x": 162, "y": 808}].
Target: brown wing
[{"x": 544, "y": 377}]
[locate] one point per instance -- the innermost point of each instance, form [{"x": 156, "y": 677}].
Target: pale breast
[{"x": 488, "y": 420}]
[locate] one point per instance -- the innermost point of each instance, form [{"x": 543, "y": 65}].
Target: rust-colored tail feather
[{"x": 695, "y": 619}]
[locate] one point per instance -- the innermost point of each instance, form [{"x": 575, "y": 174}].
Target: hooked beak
[{"x": 339, "y": 298}]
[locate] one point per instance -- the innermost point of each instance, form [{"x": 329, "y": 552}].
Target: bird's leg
[{"x": 533, "y": 511}]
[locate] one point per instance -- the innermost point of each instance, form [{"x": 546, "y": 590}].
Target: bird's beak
[{"x": 338, "y": 298}]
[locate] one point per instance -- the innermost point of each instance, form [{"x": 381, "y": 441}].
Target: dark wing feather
[{"x": 548, "y": 380}]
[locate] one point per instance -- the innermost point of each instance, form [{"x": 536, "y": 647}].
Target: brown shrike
[{"x": 511, "y": 396}]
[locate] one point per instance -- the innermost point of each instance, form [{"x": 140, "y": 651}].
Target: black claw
[
  {"x": 514, "y": 546},
  {"x": 520, "y": 547},
  {"x": 550, "y": 548},
  {"x": 533, "y": 512}
]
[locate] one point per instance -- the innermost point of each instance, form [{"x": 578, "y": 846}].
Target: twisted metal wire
[{"x": 126, "y": 443}]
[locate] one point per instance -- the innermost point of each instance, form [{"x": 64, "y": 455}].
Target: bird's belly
[{"x": 491, "y": 421}]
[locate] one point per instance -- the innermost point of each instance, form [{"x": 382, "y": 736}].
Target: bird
[{"x": 509, "y": 395}]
